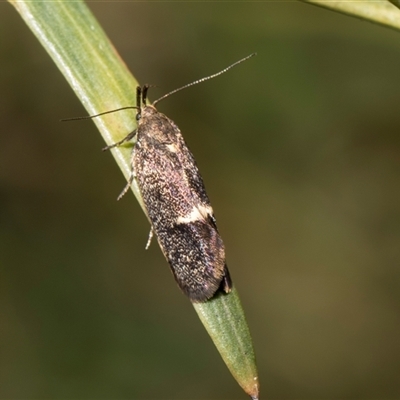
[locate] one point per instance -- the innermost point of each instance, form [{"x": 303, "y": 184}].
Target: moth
[{"x": 175, "y": 199}]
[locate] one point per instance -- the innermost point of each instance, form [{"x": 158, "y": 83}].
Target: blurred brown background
[{"x": 299, "y": 149}]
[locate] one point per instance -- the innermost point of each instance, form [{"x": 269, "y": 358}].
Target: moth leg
[
  {"x": 149, "y": 239},
  {"x": 125, "y": 139},
  {"x": 132, "y": 176}
]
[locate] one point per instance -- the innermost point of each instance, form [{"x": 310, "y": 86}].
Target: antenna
[
  {"x": 141, "y": 92},
  {"x": 98, "y": 115},
  {"x": 204, "y": 79}
]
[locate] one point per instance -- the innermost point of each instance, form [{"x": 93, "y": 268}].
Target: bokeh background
[{"x": 299, "y": 149}]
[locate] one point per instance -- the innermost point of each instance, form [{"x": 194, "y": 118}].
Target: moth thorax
[{"x": 148, "y": 111}]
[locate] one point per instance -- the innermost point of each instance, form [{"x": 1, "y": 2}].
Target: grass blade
[{"x": 83, "y": 53}]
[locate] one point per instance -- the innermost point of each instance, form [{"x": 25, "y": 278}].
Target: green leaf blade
[
  {"x": 379, "y": 12},
  {"x": 81, "y": 50},
  {"x": 77, "y": 44},
  {"x": 224, "y": 320}
]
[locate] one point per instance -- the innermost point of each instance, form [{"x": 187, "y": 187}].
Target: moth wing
[
  {"x": 179, "y": 210},
  {"x": 196, "y": 269}
]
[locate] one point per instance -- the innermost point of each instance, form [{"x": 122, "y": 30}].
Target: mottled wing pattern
[{"x": 178, "y": 206}]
